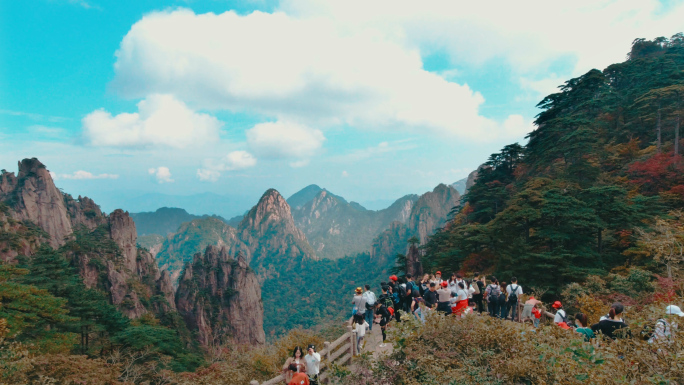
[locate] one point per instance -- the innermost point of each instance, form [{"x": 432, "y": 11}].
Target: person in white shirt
[
  {"x": 560, "y": 316},
  {"x": 514, "y": 291},
  {"x": 313, "y": 361},
  {"x": 665, "y": 328},
  {"x": 360, "y": 325},
  {"x": 370, "y": 302}
]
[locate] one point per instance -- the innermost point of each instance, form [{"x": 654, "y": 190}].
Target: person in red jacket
[{"x": 298, "y": 378}]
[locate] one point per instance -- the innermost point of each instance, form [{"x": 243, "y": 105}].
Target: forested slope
[{"x": 602, "y": 164}]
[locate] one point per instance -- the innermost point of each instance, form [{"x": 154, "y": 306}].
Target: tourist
[
  {"x": 430, "y": 296},
  {"x": 382, "y": 311},
  {"x": 404, "y": 295},
  {"x": 415, "y": 290},
  {"x": 561, "y": 316},
  {"x": 492, "y": 295},
  {"x": 370, "y": 298},
  {"x": 514, "y": 292},
  {"x": 360, "y": 325},
  {"x": 297, "y": 378},
  {"x": 461, "y": 300},
  {"x": 418, "y": 308},
  {"x": 313, "y": 362},
  {"x": 359, "y": 302},
  {"x": 664, "y": 330},
  {"x": 424, "y": 284},
  {"x": 582, "y": 327},
  {"x": 478, "y": 295},
  {"x": 299, "y": 363},
  {"x": 443, "y": 296},
  {"x": 503, "y": 305},
  {"x": 438, "y": 278},
  {"x": 610, "y": 326}
]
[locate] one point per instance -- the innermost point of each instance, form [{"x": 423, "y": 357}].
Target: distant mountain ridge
[{"x": 164, "y": 221}]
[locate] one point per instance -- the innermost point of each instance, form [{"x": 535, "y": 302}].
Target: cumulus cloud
[
  {"x": 284, "y": 140},
  {"x": 80, "y": 174},
  {"x": 236, "y": 160},
  {"x": 311, "y": 70},
  {"x": 162, "y": 174},
  {"x": 161, "y": 120}
]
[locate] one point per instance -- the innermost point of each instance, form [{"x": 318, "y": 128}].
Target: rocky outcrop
[
  {"x": 268, "y": 234},
  {"x": 472, "y": 177},
  {"x": 16, "y": 238},
  {"x": 84, "y": 212},
  {"x": 32, "y": 196},
  {"x": 413, "y": 263},
  {"x": 192, "y": 238},
  {"x": 220, "y": 296},
  {"x": 431, "y": 210},
  {"x": 428, "y": 214},
  {"x": 122, "y": 231}
]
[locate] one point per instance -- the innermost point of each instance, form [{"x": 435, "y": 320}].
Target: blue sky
[{"x": 370, "y": 100}]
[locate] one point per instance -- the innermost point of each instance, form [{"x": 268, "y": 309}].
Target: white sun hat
[{"x": 672, "y": 309}]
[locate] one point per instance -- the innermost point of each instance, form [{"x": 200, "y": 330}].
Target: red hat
[
  {"x": 557, "y": 305},
  {"x": 394, "y": 278},
  {"x": 444, "y": 284},
  {"x": 439, "y": 272}
]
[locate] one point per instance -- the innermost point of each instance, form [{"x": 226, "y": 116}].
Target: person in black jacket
[
  {"x": 385, "y": 317},
  {"x": 430, "y": 296},
  {"x": 609, "y": 326}
]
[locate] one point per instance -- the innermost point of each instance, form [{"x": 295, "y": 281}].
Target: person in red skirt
[{"x": 461, "y": 300}]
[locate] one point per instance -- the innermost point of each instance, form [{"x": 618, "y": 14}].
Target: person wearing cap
[
  {"x": 609, "y": 326},
  {"x": 359, "y": 302},
  {"x": 313, "y": 361},
  {"x": 438, "y": 278},
  {"x": 443, "y": 297},
  {"x": 665, "y": 328},
  {"x": 561, "y": 316}
]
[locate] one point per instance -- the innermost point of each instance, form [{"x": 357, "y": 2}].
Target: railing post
[
  {"x": 326, "y": 344},
  {"x": 353, "y": 340}
]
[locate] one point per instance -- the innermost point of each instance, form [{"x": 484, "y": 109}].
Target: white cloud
[
  {"x": 284, "y": 140},
  {"x": 161, "y": 120},
  {"x": 208, "y": 175},
  {"x": 314, "y": 69},
  {"x": 236, "y": 160},
  {"x": 162, "y": 174},
  {"x": 375, "y": 151},
  {"x": 80, "y": 174}
]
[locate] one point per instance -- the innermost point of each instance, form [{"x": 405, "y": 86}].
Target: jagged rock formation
[
  {"x": 191, "y": 238},
  {"x": 463, "y": 185},
  {"x": 413, "y": 264},
  {"x": 268, "y": 234},
  {"x": 103, "y": 248},
  {"x": 336, "y": 228},
  {"x": 427, "y": 215},
  {"x": 32, "y": 196},
  {"x": 218, "y": 296}
]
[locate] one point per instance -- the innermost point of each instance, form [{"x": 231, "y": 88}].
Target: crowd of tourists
[{"x": 459, "y": 297}]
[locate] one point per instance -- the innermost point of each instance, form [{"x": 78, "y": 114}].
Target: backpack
[
  {"x": 513, "y": 297},
  {"x": 479, "y": 287},
  {"x": 386, "y": 301},
  {"x": 402, "y": 291},
  {"x": 415, "y": 291},
  {"x": 494, "y": 293},
  {"x": 649, "y": 330},
  {"x": 564, "y": 316}
]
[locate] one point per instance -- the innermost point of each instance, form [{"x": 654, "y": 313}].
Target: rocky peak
[
  {"x": 122, "y": 231},
  {"x": 33, "y": 196},
  {"x": 83, "y": 211},
  {"x": 219, "y": 296},
  {"x": 431, "y": 210}
]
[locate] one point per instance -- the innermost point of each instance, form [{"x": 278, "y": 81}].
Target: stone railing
[{"x": 338, "y": 352}]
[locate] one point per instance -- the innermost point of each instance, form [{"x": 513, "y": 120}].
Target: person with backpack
[
  {"x": 370, "y": 298},
  {"x": 503, "y": 304},
  {"x": 664, "y": 329},
  {"x": 608, "y": 327},
  {"x": 478, "y": 293},
  {"x": 492, "y": 293},
  {"x": 415, "y": 291},
  {"x": 561, "y": 317},
  {"x": 384, "y": 314},
  {"x": 404, "y": 293},
  {"x": 514, "y": 292},
  {"x": 359, "y": 302}
]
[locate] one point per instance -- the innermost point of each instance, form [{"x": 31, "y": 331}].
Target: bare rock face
[
  {"x": 218, "y": 295},
  {"x": 122, "y": 231},
  {"x": 16, "y": 238},
  {"x": 472, "y": 177},
  {"x": 32, "y": 196},
  {"x": 268, "y": 234},
  {"x": 390, "y": 242},
  {"x": 84, "y": 212},
  {"x": 431, "y": 211},
  {"x": 413, "y": 264}
]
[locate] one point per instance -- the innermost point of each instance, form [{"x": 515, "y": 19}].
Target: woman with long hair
[
  {"x": 297, "y": 359},
  {"x": 583, "y": 326},
  {"x": 609, "y": 327}
]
